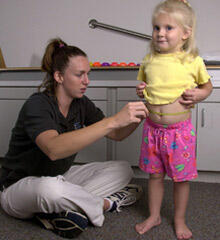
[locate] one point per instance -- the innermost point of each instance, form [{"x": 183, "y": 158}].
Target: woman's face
[{"x": 74, "y": 80}]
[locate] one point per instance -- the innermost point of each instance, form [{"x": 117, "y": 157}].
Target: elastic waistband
[
  {"x": 169, "y": 114},
  {"x": 169, "y": 126}
]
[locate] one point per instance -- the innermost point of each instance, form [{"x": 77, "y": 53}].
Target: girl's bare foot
[
  {"x": 182, "y": 231},
  {"x": 146, "y": 225}
]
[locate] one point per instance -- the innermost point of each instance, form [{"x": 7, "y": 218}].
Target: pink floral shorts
[{"x": 169, "y": 149}]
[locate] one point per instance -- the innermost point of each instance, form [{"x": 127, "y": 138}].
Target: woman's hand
[
  {"x": 140, "y": 89},
  {"x": 132, "y": 112},
  {"x": 127, "y": 120}
]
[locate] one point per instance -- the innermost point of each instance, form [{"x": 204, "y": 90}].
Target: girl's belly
[{"x": 174, "y": 107}]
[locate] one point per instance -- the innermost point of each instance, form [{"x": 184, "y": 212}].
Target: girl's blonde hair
[{"x": 182, "y": 12}]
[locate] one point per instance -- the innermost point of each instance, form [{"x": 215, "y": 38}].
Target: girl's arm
[
  {"x": 140, "y": 89},
  {"x": 196, "y": 95}
]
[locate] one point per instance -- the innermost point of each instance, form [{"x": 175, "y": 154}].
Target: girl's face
[
  {"x": 168, "y": 35},
  {"x": 74, "y": 81}
]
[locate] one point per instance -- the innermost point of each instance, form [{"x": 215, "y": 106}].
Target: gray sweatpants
[{"x": 81, "y": 188}]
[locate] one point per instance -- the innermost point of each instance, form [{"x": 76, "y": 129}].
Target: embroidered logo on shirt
[{"x": 77, "y": 125}]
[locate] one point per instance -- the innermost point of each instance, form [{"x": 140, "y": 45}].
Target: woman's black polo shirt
[{"x": 38, "y": 114}]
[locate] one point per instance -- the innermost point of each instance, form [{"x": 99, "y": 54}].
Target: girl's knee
[{"x": 157, "y": 176}]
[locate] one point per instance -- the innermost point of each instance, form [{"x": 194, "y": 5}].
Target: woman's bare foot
[
  {"x": 182, "y": 231},
  {"x": 146, "y": 225}
]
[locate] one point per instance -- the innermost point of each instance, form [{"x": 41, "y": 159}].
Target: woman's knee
[
  {"x": 125, "y": 169},
  {"x": 49, "y": 189}
]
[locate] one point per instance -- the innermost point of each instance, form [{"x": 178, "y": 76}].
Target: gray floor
[{"x": 202, "y": 217}]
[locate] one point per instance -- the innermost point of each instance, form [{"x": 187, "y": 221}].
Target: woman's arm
[
  {"x": 122, "y": 133},
  {"x": 58, "y": 146}
]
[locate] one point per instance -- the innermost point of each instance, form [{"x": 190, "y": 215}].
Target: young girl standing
[{"x": 174, "y": 79}]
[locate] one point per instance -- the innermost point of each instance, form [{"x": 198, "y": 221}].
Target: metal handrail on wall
[{"x": 94, "y": 23}]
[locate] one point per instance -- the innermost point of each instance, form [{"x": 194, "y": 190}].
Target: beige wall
[{"x": 27, "y": 25}]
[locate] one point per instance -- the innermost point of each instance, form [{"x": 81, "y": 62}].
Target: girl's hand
[
  {"x": 192, "y": 96},
  {"x": 140, "y": 88}
]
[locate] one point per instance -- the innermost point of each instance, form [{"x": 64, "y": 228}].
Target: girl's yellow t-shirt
[{"x": 168, "y": 75}]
